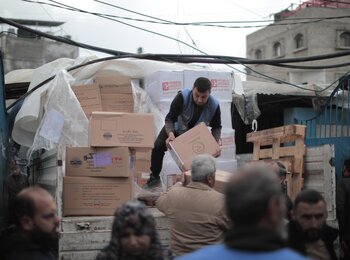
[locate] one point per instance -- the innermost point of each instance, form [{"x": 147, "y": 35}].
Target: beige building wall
[{"x": 319, "y": 38}]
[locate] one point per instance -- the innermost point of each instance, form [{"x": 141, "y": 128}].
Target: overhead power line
[
  {"x": 185, "y": 58},
  {"x": 218, "y": 24}
]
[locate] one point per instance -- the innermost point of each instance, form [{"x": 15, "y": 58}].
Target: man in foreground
[
  {"x": 256, "y": 206},
  {"x": 343, "y": 210},
  {"x": 196, "y": 212},
  {"x": 308, "y": 232},
  {"x": 188, "y": 109},
  {"x": 36, "y": 232}
]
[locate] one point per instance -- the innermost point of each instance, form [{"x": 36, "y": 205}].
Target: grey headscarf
[{"x": 134, "y": 215}]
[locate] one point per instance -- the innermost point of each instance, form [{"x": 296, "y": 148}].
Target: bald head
[
  {"x": 253, "y": 195},
  {"x": 27, "y": 202}
]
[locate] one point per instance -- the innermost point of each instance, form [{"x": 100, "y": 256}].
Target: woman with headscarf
[{"x": 134, "y": 236}]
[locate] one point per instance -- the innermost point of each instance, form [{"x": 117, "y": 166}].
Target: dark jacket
[
  {"x": 296, "y": 239},
  {"x": 176, "y": 109},
  {"x": 343, "y": 208},
  {"x": 15, "y": 246}
]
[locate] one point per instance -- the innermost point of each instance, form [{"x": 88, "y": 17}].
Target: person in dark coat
[
  {"x": 308, "y": 232},
  {"x": 188, "y": 109},
  {"x": 35, "y": 234},
  {"x": 134, "y": 236},
  {"x": 281, "y": 171},
  {"x": 343, "y": 210},
  {"x": 15, "y": 182}
]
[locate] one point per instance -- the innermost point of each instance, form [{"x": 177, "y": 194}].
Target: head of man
[
  {"x": 310, "y": 213},
  {"x": 254, "y": 198},
  {"x": 281, "y": 171},
  {"x": 201, "y": 91},
  {"x": 346, "y": 168},
  {"x": 16, "y": 171},
  {"x": 36, "y": 215},
  {"x": 203, "y": 169}
]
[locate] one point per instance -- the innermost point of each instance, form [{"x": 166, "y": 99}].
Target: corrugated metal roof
[
  {"x": 36, "y": 22},
  {"x": 270, "y": 88}
]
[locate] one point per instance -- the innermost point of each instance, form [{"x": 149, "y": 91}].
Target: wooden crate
[{"x": 286, "y": 144}]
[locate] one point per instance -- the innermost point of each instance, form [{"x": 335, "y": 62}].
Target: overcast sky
[{"x": 101, "y": 32}]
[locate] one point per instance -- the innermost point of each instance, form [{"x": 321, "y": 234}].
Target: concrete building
[
  {"x": 294, "y": 34},
  {"x": 23, "y": 50}
]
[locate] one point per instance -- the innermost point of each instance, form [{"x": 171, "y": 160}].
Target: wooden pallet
[{"x": 286, "y": 144}]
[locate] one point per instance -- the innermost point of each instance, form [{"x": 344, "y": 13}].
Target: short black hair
[
  {"x": 247, "y": 198},
  {"x": 202, "y": 84},
  {"x": 308, "y": 196}
]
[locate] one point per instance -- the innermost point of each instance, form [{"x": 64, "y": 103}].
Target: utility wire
[
  {"x": 188, "y": 58},
  {"x": 224, "y": 62},
  {"x": 204, "y": 24},
  {"x": 114, "y": 58},
  {"x": 152, "y": 32},
  {"x": 167, "y": 57},
  {"x": 62, "y": 39}
]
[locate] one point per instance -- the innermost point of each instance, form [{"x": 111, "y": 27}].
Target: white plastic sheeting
[
  {"x": 64, "y": 122},
  {"x": 30, "y": 115}
]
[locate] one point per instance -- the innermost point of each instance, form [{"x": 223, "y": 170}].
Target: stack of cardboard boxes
[{"x": 100, "y": 178}]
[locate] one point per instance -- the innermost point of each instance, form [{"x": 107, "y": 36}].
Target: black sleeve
[
  {"x": 215, "y": 124},
  {"x": 176, "y": 108},
  {"x": 340, "y": 206}
]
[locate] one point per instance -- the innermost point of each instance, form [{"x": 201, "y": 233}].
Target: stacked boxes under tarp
[{"x": 100, "y": 178}]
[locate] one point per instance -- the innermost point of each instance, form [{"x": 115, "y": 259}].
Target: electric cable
[
  {"x": 206, "y": 24},
  {"x": 224, "y": 60}
]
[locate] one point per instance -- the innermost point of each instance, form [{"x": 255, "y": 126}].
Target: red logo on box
[
  {"x": 198, "y": 147},
  {"x": 165, "y": 86},
  {"x": 214, "y": 83},
  {"x": 171, "y": 86}
]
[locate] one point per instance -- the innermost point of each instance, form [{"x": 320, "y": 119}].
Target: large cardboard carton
[
  {"x": 109, "y": 129},
  {"x": 222, "y": 82},
  {"x": 97, "y": 162},
  {"x": 117, "y": 102},
  {"x": 89, "y": 97},
  {"x": 163, "y": 85},
  {"x": 143, "y": 159},
  {"x": 114, "y": 84},
  {"x": 221, "y": 179},
  {"x": 93, "y": 196},
  {"x": 197, "y": 140}
]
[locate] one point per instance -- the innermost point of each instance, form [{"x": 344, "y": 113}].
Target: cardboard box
[
  {"x": 163, "y": 85},
  {"x": 97, "y": 162},
  {"x": 143, "y": 160},
  {"x": 89, "y": 97},
  {"x": 114, "y": 84},
  {"x": 93, "y": 196},
  {"x": 222, "y": 82},
  {"x": 117, "y": 103},
  {"x": 141, "y": 177},
  {"x": 171, "y": 179},
  {"x": 221, "y": 179},
  {"x": 121, "y": 129},
  {"x": 197, "y": 140}
]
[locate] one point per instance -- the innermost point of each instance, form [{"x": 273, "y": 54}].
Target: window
[
  {"x": 277, "y": 49},
  {"x": 345, "y": 39},
  {"x": 299, "y": 41},
  {"x": 258, "y": 54}
]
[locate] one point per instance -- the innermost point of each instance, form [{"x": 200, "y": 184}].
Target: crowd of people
[
  {"x": 253, "y": 219},
  {"x": 248, "y": 221}
]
